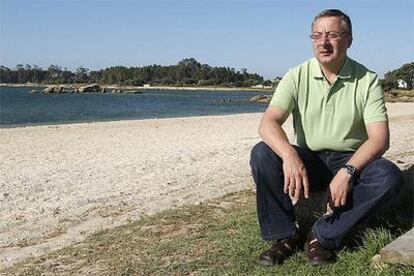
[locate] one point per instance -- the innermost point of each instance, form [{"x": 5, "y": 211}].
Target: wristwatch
[{"x": 351, "y": 170}]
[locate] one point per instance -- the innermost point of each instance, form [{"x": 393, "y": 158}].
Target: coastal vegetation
[
  {"x": 403, "y": 74},
  {"x": 187, "y": 72}
]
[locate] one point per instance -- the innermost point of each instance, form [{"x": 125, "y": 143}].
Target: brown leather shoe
[
  {"x": 280, "y": 251},
  {"x": 317, "y": 254}
]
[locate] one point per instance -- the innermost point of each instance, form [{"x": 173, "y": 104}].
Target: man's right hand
[{"x": 296, "y": 176}]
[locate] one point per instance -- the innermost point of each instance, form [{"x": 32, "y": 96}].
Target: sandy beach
[{"x": 60, "y": 183}]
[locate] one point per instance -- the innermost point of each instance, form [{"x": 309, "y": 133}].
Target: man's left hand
[{"x": 339, "y": 188}]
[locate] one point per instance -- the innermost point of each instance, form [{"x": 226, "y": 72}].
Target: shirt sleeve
[
  {"x": 375, "y": 110},
  {"x": 284, "y": 93}
]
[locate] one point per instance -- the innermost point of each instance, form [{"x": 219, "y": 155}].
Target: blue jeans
[{"x": 376, "y": 184}]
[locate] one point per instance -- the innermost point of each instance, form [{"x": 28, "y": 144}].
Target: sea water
[{"x": 18, "y": 106}]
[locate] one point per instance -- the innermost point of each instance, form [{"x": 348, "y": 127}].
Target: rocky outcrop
[
  {"x": 261, "y": 99},
  {"x": 61, "y": 89},
  {"x": 90, "y": 88},
  {"x": 83, "y": 89},
  {"x": 49, "y": 89},
  {"x": 55, "y": 89}
]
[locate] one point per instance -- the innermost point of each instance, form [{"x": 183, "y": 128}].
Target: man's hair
[{"x": 337, "y": 13}]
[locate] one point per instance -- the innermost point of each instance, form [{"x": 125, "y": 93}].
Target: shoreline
[
  {"x": 128, "y": 87},
  {"x": 48, "y": 124},
  {"x": 389, "y": 105}
]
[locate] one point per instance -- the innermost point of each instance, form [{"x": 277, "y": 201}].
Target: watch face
[{"x": 350, "y": 169}]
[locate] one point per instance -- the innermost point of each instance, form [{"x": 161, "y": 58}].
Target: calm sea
[{"x": 20, "y": 107}]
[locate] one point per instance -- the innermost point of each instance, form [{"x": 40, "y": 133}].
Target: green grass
[{"x": 219, "y": 237}]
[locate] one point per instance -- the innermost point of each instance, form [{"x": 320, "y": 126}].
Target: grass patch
[{"x": 219, "y": 237}]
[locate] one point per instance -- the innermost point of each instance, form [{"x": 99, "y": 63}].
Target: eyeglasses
[{"x": 329, "y": 35}]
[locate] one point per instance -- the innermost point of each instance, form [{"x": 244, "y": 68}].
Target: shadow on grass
[{"x": 397, "y": 216}]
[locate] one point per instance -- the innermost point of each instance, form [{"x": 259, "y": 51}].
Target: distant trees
[
  {"x": 81, "y": 75},
  {"x": 187, "y": 72},
  {"x": 405, "y": 73}
]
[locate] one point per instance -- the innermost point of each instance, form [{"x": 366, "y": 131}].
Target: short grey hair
[{"x": 336, "y": 13}]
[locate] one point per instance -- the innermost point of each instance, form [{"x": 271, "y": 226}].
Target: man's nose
[{"x": 325, "y": 40}]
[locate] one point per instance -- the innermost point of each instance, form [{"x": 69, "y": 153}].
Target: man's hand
[
  {"x": 339, "y": 188},
  {"x": 296, "y": 177},
  {"x": 272, "y": 133}
]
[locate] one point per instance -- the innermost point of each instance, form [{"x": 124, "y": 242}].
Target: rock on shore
[
  {"x": 90, "y": 88},
  {"x": 94, "y": 88},
  {"x": 55, "y": 89},
  {"x": 261, "y": 98}
]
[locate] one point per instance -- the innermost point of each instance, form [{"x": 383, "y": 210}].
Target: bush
[
  {"x": 206, "y": 83},
  {"x": 135, "y": 82},
  {"x": 188, "y": 81},
  {"x": 388, "y": 84}
]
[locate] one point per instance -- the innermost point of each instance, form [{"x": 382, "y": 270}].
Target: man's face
[{"x": 329, "y": 51}]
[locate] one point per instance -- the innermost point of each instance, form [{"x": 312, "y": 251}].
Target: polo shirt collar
[
  {"x": 344, "y": 73},
  {"x": 346, "y": 70}
]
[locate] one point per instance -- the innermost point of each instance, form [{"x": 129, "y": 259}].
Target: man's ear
[{"x": 349, "y": 41}]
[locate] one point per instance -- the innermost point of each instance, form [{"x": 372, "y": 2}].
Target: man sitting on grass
[{"x": 341, "y": 127}]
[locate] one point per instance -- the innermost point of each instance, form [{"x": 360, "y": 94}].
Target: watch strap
[{"x": 351, "y": 170}]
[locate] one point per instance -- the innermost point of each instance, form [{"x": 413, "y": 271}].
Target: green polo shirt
[{"x": 331, "y": 117}]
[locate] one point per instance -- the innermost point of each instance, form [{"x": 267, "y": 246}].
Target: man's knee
[
  {"x": 385, "y": 173},
  {"x": 261, "y": 154}
]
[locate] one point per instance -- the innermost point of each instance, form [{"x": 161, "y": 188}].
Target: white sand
[{"x": 60, "y": 183}]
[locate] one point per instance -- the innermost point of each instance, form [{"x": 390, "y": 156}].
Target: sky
[{"x": 266, "y": 37}]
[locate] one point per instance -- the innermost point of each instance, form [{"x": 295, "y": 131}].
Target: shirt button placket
[{"x": 328, "y": 104}]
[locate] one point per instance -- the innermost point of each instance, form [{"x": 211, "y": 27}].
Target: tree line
[
  {"x": 188, "y": 72},
  {"x": 405, "y": 73}
]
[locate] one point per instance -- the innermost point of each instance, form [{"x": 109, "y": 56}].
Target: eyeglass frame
[{"x": 340, "y": 34}]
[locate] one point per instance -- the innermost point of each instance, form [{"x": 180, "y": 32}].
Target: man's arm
[
  {"x": 274, "y": 136},
  {"x": 376, "y": 145}
]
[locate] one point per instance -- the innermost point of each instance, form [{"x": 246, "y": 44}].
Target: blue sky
[{"x": 266, "y": 37}]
